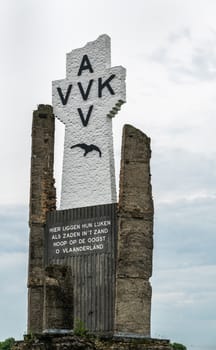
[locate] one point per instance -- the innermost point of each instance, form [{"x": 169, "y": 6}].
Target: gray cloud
[
  {"x": 13, "y": 270},
  {"x": 13, "y": 301},
  {"x": 184, "y": 247},
  {"x": 185, "y": 229},
  {"x": 182, "y": 33},
  {"x": 185, "y": 173},
  {"x": 13, "y": 229},
  {"x": 184, "y": 277},
  {"x": 199, "y": 63},
  {"x": 182, "y": 306}
]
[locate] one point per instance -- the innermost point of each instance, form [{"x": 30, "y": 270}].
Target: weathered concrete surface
[
  {"x": 135, "y": 236},
  {"x": 42, "y": 200},
  {"x": 58, "y": 298},
  {"x": 133, "y": 306},
  {"x": 71, "y": 342},
  {"x": 89, "y": 180}
]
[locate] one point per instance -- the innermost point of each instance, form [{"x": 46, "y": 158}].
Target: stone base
[{"x": 72, "y": 342}]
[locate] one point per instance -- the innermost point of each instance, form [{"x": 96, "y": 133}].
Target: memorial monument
[
  {"x": 85, "y": 102},
  {"x": 91, "y": 260}
]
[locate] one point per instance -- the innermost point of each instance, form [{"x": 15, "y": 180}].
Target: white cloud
[
  {"x": 179, "y": 174},
  {"x": 183, "y": 298},
  {"x": 187, "y": 59},
  {"x": 13, "y": 233},
  {"x": 11, "y": 260},
  {"x": 184, "y": 272}
]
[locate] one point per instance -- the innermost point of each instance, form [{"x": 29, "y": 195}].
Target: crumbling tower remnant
[
  {"x": 42, "y": 200},
  {"x": 135, "y": 236}
]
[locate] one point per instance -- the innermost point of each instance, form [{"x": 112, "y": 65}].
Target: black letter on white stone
[
  {"x": 101, "y": 85},
  {"x": 85, "y": 121},
  {"x": 85, "y": 94},
  {"x": 85, "y": 64},
  {"x": 64, "y": 99}
]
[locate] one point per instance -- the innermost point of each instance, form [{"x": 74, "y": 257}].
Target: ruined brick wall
[
  {"x": 135, "y": 236},
  {"x": 58, "y": 298},
  {"x": 42, "y": 200},
  {"x": 71, "y": 342}
]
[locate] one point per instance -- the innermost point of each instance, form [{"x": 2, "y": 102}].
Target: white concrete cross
[{"x": 85, "y": 102}]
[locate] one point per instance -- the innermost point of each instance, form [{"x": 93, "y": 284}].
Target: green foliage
[
  {"x": 79, "y": 329},
  {"x": 7, "y": 344},
  {"x": 177, "y": 346},
  {"x": 30, "y": 337}
]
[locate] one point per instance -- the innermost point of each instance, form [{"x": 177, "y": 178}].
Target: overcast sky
[{"x": 169, "y": 50}]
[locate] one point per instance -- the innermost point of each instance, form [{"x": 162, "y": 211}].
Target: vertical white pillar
[{"x": 85, "y": 101}]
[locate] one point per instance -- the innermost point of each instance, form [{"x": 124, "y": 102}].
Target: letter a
[{"x": 85, "y": 64}]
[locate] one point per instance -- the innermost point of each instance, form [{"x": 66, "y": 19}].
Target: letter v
[
  {"x": 85, "y": 94},
  {"x": 64, "y": 99},
  {"x": 85, "y": 121}
]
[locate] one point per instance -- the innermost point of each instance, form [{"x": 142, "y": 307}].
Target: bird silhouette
[{"x": 87, "y": 148}]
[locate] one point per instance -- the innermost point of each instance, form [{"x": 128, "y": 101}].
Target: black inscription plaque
[
  {"x": 80, "y": 231},
  {"x": 79, "y": 237},
  {"x": 86, "y": 240}
]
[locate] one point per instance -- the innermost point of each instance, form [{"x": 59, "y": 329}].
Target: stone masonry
[
  {"x": 72, "y": 342},
  {"x": 42, "y": 200},
  {"x": 58, "y": 298},
  {"x": 135, "y": 236}
]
